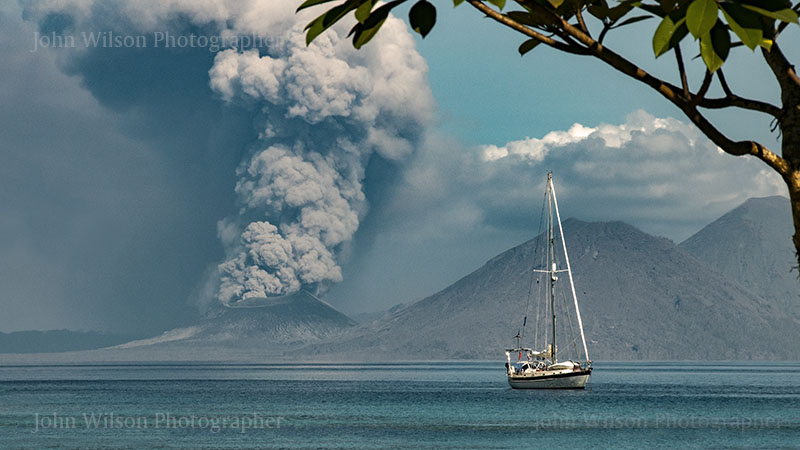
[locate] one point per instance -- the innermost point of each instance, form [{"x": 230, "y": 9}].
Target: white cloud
[
  {"x": 613, "y": 136},
  {"x": 659, "y": 174}
]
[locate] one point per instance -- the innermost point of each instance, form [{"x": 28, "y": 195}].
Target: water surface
[{"x": 401, "y": 405}]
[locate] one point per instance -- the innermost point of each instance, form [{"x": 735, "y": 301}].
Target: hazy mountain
[
  {"x": 724, "y": 294},
  {"x": 752, "y": 245},
  {"x": 58, "y": 341},
  {"x": 261, "y": 330},
  {"x": 298, "y": 319},
  {"x": 642, "y": 297}
]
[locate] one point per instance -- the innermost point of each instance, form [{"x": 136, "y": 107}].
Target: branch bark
[{"x": 514, "y": 25}]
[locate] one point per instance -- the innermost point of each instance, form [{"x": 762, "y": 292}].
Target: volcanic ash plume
[
  {"x": 278, "y": 260},
  {"x": 323, "y": 110},
  {"x": 326, "y": 109}
]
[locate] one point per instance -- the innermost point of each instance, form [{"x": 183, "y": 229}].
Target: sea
[{"x": 431, "y": 405}]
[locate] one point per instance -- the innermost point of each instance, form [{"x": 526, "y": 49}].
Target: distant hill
[
  {"x": 271, "y": 326},
  {"x": 263, "y": 329},
  {"x": 726, "y": 293},
  {"x": 59, "y": 341},
  {"x": 641, "y": 297},
  {"x": 752, "y": 245}
]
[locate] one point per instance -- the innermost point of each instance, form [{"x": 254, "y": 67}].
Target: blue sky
[{"x": 131, "y": 174}]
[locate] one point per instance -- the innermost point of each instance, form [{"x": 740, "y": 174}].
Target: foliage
[{"x": 712, "y": 23}]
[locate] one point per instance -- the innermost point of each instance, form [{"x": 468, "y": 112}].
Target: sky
[{"x": 143, "y": 184}]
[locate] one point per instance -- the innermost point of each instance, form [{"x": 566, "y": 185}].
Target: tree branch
[
  {"x": 783, "y": 25},
  {"x": 734, "y": 100},
  {"x": 739, "y": 102},
  {"x": 514, "y": 25},
  {"x": 783, "y": 69},
  {"x": 581, "y": 22},
  {"x": 682, "y": 72},
  {"x": 724, "y": 83},
  {"x": 701, "y": 93},
  {"x": 740, "y": 148},
  {"x": 606, "y": 28},
  {"x": 666, "y": 89}
]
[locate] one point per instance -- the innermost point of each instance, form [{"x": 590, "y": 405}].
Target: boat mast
[
  {"x": 552, "y": 259},
  {"x": 569, "y": 269}
]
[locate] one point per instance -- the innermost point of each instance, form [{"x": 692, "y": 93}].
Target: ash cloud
[
  {"x": 325, "y": 111},
  {"x": 322, "y": 112}
]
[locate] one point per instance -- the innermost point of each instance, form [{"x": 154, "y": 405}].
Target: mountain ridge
[{"x": 643, "y": 298}]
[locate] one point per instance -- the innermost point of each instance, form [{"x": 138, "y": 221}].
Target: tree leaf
[
  {"x": 620, "y": 10},
  {"x": 784, "y": 15},
  {"x": 422, "y": 17},
  {"x": 652, "y": 9},
  {"x": 527, "y": 46},
  {"x": 664, "y": 33},
  {"x": 328, "y": 18},
  {"x": 364, "y": 32},
  {"x": 701, "y": 17},
  {"x": 744, "y": 24},
  {"x": 362, "y": 12},
  {"x": 309, "y": 3},
  {"x": 556, "y": 3},
  {"x": 715, "y": 46},
  {"x": 457, "y": 2},
  {"x": 530, "y": 19},
  {"x": 632, "y": 20},
  {"x": 599, "y": 9},
  {"x": 499, "y": 3}
]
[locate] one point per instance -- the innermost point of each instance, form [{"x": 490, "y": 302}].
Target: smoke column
[
  {"x": 326, "y": 109},
  {"x": 322, "y": 111}
]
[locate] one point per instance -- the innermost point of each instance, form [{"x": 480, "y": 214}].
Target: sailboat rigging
[{"x": 542, "y": 369}]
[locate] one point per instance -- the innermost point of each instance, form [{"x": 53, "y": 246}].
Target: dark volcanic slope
[
  {"x": 303, "y": 317},
  {"x": 752, "y": 246},
  {"x": 275, "y": 327},
  {"x": 645, "y": 298}
]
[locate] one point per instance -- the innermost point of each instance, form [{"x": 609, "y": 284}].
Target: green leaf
[
  {"x": 769, "y": 5},
  {"x": 715, "y": 46},
  {"x": 784, "y": 15},
  {"x": 328, "y": 18},
  {"x": 620, "y": 10},
  {"x": 362, "y": 12},
  {"x": 499, "y": 3},
  {"x": 556, "y": 3},
  {"x": 364, "y": 32},
  {"x": 744, "y": 24},
  {"x": 701, "y": 17},
  {"x": 530, "y": 19},
  {"x": 652, "y": 9},
  {"x": 599, "y": 9},
  {"x": 363, "y": 36},
  {"x": 457, "y": 2},
  {"x": 527, "y": 46},
  {"x": 309, "y": 3},
  {"x": 422, "y": 17},
  {"x": 662, "y": 39},
  {"x": 632, "y": 20}
]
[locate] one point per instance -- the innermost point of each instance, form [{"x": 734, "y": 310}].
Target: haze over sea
[{"x": 395, "y": 405}]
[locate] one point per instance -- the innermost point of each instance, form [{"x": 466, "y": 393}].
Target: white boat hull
[{"x": 569, "y": 380}]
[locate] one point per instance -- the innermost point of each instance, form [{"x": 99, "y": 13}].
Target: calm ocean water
[{"x": 417, "y": 405}]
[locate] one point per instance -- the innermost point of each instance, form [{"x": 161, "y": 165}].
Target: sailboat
[{"x": 542, "y": 369}]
